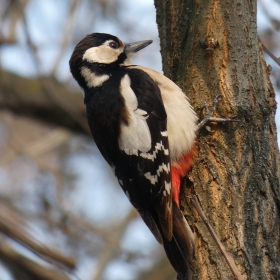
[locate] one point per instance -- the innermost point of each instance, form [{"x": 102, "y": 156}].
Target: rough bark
[{"x": 211, "y": 48}]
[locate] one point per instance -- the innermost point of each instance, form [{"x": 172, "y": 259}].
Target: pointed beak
[{"x": 136, "y": 46}]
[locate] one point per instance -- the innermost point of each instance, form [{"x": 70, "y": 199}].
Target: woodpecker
[{"x": 145, "y": 128}]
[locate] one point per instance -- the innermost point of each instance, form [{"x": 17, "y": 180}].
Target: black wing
[{"x": 145, "y": 175}]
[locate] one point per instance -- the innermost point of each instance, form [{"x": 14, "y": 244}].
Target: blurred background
[{"x": 62, "y": 213}]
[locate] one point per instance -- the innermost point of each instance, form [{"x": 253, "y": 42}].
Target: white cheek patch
[
  {"x": 154, "y": 178},
  {"x": 102, "y": 54},
  {"x": 92, "y": 79},
  {"x": 136, "y": 135}
]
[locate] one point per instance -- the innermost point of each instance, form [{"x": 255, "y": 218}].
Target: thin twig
[
  {"x": 67, "y": 33},
  {"x": 48, "y": 86},
  {"x": 276, "y": 59},
  {"x": 13, "y": 230},
  {"x": 20, "y": 265},
  {"x": 228, "y": 257}
]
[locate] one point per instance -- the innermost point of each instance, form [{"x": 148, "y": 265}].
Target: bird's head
[{"x": 103, "y": 51}]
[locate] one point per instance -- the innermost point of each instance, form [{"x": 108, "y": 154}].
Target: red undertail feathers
[{"x": 178, "y": 171}]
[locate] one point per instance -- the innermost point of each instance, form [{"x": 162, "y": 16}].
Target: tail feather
[
  {"x": 180, "y": 249},
  {"x": 183, "y": 244},
  {"x": 150, "y": 222}
]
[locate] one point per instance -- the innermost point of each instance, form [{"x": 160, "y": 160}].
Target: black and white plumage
[{"x": 144, "y": 127}]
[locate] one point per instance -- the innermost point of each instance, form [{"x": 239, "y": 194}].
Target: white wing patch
[
  {"x": 181, "y": 119},
  {"x": 153, "y": 155},
  {"x": 154, "y": 178},
  {"x": 164, "y": 133},
  {"x": 127, "y": 194},
  {"x": 92, "y": 79},
  {"x": 167, "y": 187},
  {"x": 136, "y": 135}
]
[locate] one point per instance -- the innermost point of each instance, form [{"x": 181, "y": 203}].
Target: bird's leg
[
  {"x": 209, "y": 114},
  {"x": 229, "y": 259}
]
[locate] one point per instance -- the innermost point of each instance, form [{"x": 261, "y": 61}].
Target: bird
[{"x": 144, "y": 127}]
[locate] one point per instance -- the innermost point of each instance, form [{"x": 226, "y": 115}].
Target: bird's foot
[{"x": 209, "y": 115}]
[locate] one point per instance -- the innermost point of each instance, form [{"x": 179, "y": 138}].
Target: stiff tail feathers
[{"x": 180, "y": 249}]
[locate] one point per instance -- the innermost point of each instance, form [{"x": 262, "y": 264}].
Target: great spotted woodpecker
[{"x": 144, "y": 127}]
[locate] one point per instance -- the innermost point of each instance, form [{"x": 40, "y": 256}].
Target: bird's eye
[{"x": 113, "y": 45}]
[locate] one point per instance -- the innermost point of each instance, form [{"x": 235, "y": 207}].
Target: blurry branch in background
[
  {"x": 10, "y": 14},
  {"x": 24, "y": 268},
  {"x": 67, "y": 34},
  {"x": 32, "y": 102},
  {"x": 270, "y": 38},
  {"x": 108, "y": 254},
  {"x": 48, "y": 85},
  {"x": 33, "y": 48},
  {"x": 13, "y": 226},
  {"x": 274, "y": 21},
  {"x": 49, "y": 88},
  {"x": 45, "y": 144},
  {"x": 276, "y": 59}
]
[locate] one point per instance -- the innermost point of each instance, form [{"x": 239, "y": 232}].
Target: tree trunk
[{"x": 211, "y": 48}]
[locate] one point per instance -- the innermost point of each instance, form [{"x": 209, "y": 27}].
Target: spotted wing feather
[{"x": 145, "y": 175}]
